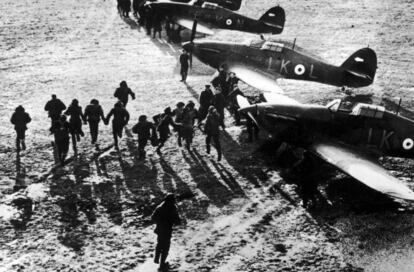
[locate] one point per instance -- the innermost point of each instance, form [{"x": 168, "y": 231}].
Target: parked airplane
[
  {"x": 349, "y": 137},
  {"x": 259, "y": 63},
  {"x": 215, "y": 16}
]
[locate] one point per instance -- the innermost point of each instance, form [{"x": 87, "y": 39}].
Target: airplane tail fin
[
  {"x": 274, "y": 17},
  {"x": 360, "y": 68}
]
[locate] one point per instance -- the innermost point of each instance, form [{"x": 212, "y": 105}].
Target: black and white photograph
[{"x": 206, "y": 136}]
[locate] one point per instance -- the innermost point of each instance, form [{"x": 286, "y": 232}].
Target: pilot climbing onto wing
[{"x": 232, "y": 104}]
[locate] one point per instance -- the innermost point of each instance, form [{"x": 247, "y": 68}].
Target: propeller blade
[
  {"x": 193, "y": 33},
  {"x": 253, "y": 119}
]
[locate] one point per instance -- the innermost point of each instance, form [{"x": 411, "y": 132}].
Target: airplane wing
[
  {"x": 359, "y": 166},
  {"x": 246, "y": 107},
  {"x": 187, "y": 23},
  {"x": 277, "y": 98},
  {"x": 255, "y": 78},
  {"x": 271, "y": 91}
]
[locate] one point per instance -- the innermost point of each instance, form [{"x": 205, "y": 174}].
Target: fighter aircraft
[
  {"x": 215, "y": 16},
  {"x": 349, "y": 137},
  {"x": 260, "y": 62}
]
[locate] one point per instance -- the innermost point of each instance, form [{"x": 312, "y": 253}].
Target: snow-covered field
[{"x": 92, "y": 215}]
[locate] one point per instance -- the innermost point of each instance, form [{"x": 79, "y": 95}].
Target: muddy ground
[{"x": 239, "y": 214}]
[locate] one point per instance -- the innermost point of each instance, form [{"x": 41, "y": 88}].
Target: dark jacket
[
  {"x": 212, "y": 126},
  {"x": 206, "y": 98},
  {"x": 184, "y": 60},
  {"x": 165, "y": 216},
  {"x": 144, "y": 129},
  {"x": 178, "y": 114},
  {"x": 94, "y": 113},
  {"x": 75, "y": 113},
  {"x": 189, "y": 116},
  {"x": 20, "y": 119},
  {"x": 122, "y": 94},
  {"x": 55, "y": 107},
  {"x": 219, "y": 102},
  {"x": 164, "y": 125},
  {"x": 121, "y": 116},
  {"x": 61, "y": 130},
  {"x": 221, "y": 80}
]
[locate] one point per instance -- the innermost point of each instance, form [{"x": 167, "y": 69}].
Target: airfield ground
[{"x": 239, "y": 215}]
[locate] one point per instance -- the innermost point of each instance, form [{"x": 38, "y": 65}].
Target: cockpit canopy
[
  {"x": 272, "y": 46},
  {"x": 255, "y": 43},
  {"x": 267, "y": 45},
  {"x": 359, "y": 109},
  {"x": 277, "y": 45},
  {"x": 209, "y": 5}
]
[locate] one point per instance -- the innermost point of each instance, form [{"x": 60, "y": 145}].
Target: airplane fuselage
[
  {"x": 383, "y": 133},
  {"x": 278, "y": 61},
  {"x": 215, "y": 17}
]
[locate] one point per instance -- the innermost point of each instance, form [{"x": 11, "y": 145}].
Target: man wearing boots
[
  {"x": 165, "y": 217},
  {"x": 206, "y": 99},
  {"x": 145, "y": 130},
  {"x": 55, "y": 107},
  {"x": 20, "y": 119},
  {"x": 212, "y": 130},
  {"x": 123, "y": 92},
  {"x": 120, "y": 120},
  {"x": 93, "y": 115},
  {"x": 185, "y": 63}
]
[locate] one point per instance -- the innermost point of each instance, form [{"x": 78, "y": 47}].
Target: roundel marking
[
  {"x": 300, "y": 69},
  {"x": 408, "y": 144},
  {"x": 229, "y": 22}
]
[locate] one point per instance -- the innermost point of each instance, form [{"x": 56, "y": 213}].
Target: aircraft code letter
[
  {"x": 385, "y": 137},
  {"x": 284, "y": 65}
]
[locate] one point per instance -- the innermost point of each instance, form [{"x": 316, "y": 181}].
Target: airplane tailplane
[
  {"x": 274, "y": 17},
  {"x": 360, "y": 68}
]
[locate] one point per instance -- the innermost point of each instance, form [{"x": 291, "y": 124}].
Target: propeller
[
  {"x": 245, "y": 105},
  {"x": 193, "y": 33},
  {"x": 253, "y": 119}
]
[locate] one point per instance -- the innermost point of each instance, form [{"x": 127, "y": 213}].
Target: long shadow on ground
[
  {"x": 367, "y": 212},
  {"x": 237, "y": 157}
]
